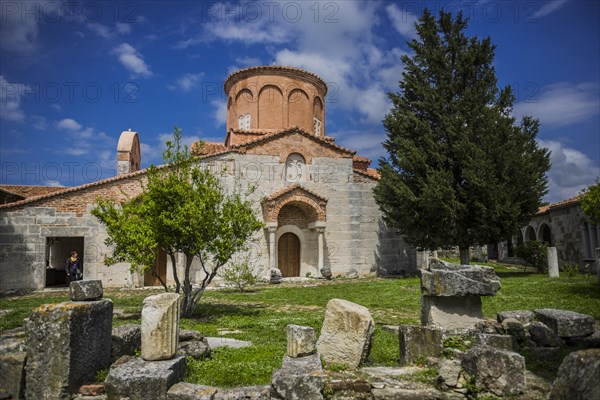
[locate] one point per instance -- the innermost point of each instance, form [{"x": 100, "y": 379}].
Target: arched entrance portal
[{"x": 289, "y": 255}]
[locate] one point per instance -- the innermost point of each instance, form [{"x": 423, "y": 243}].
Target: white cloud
[
  {"x": 403, "y": 21},
  {"x": 571, "y": 171},
  {"x": 50, "y": 182},
  {"x": 248, "y": 61},
  {"x": 101, "y": 30},
  {"x": 11, "y": 97},
  {"x": 69, "y": 124},
  {"x": 21, "y": 22},
  {"x": 562, "y": 104},
  {"x": 187, "y": 82},
  {"x": 56, "y": 106},
  {"x": 38, "y": 122},
  {"x": 132, "y": 60},
  {"x": 549, "y": 8},
  {"x": 123, "y": 28},
  {"x": 220, "y": 114}
]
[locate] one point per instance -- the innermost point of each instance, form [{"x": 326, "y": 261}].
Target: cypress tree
[{"x": 460, "y": 171}]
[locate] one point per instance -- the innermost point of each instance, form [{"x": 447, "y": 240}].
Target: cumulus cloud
[
  {"x": 571, "y": 170},
  {"x": 38, "y": 122},
  {"x": 548, "y": 8},
  {"x": 132, "y": 60},
  {"x": 11, "y": 97},
  {"x": 187, "y": 82},
  {"x": 402, "y": 20},
  {"x": 69, "y": 124},
  {"x": 220, "y": 113},
  {"x": 123, "y": 28},
  {"x": 562, "y": 104},
  {"x": 21, "y": 23},
  {"x": 84, "y": 138},
  {"x": 101, "y": 30}
]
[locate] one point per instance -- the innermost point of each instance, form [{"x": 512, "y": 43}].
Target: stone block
[
  {"x": 501, "y": 372},
  {"x": 346, "y": 334},
  {"x": 419, "y": 342},
  {"x": 506, "y": 342},
  {"x": 125, "y": 340},
  {"x": 514, "y": 328},
  {"x": 275, "y": 276},
  {"x": 445, "y": 279},
  {"x": 67, "y": 344},
  {"x": 552, "y": 262},
  {"x": 189, "y": 391},
  {"x": 12, "y": 374},
  {"x": 449, "y": 371},
  {"x": 160, "y": 326},
  {"x": 138, "y": 379},
  {"x": 542, "y": 335},
  {"x": 298, "y": 378},
  {"x": 301, "y": 341},
  {"x": 244, "y": 393},
  {"x": 566, "y": 323},
  {"x": 189, "y": 334},
  {"x": 523, "y": 316},
  {"x": 86, "y": 290},
  {"x": 452, "y": 313},
  {"x": 198, "y": 349},
  {"x": 578, "y": 376}
]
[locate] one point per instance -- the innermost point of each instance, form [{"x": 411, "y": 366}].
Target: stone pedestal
[
  {"x": 160, "y": 326},
  {"x": 298, "y": 378},
  {"x": 451, "y": 294},
  {"x": 419, "y": 342},
  {"x": 598, "y": 265},
  {"x": 552, "y": 262},
  {"x": 68, "y": 343},
  {"x": 422, "y": 259},
  {"x": 301, "y": 341}
]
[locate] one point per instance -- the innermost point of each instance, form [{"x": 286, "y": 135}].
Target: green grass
[{"x": 261, "y": 316}]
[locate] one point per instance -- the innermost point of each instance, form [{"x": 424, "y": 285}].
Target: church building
[{"x": 314, "y": 196}]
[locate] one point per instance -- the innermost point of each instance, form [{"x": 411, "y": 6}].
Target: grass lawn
[{"x": 261, "y": 316}]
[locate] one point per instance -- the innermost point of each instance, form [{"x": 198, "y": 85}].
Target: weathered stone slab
[
  {"x": 419, "y": 342},
  {"x": 523, "y": 316},
  {"x": 578, "y": 376},
  {"x": 449, "y": 371},
  {"x": 244, "y": 393},
  {"x": 12, "y": 374},
  {"x": 542, "y": 335},
  {"x": 514, "y": 328},
  {"x": 188, "y": 334},
  {"x": 276, "y": 276},
  {"x": 198, "y": 349},
  {"x": 298, "y": 378},
  {"x": 86, "y": 290},
  {"x": 67, "y": 344},
  {"x": 126, "y": 339},
  {"x": 453, "y": 313},
  {"x": 214, "y": 342},
  {"x": 346, "y": 334},
  {"x": 326, "y": 272},
  {"x": 138, "y": 379},
  {"x": 566, "y": 323},
  {"x": 445, "y": 279},
  {"x": 160, "y": 326},
  {"x": 506, "y": 342},
  {"x": 392, "y": 393},
  {"x": 301, "y": 340},
  {"x": 501, "y": 372},
  {"x": 189, "y": 391}
]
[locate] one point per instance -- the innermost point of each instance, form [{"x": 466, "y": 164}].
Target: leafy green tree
[
  {"x": 590, "y": 202},
  {"x": 182, "y": 209},
  {"x": 459, "y": 170}
]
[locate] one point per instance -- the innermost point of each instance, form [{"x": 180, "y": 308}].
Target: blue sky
[{"x": 73, "y": 75}]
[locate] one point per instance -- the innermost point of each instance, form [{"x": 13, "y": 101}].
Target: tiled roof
[
  {"x": 290, "y": 188},
  {"x": 361, "y": 159},
  {"x": 370, "y": 173},
  {"x": 274, "y": 68},
  {"x": 254, "y": 131},
  {"x": 293, "y": 129},
  {"x": 560, "y": 204},
  {"x": 30, "y": 191},
  {"x": 207, "y": 148}
]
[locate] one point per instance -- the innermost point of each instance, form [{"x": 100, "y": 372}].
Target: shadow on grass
[
  {"x": 515, "y": 274},
  {"x": 208, "y": 312},
  {"x": 591, "y": 291}
]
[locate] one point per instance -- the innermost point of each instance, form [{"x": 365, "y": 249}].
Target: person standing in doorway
[{"x": 74, "y": 270}]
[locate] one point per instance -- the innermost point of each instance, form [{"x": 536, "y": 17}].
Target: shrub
[
  {"x": 240, "y": 274},
  {"x": 535, "y": 254},
  {"x": 570, "y": 270}
]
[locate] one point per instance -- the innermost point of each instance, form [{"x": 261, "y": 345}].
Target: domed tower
[{"x": 267, "y": 99}]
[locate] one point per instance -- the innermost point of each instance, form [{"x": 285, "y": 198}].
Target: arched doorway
[
  {"x": 530, "y": 234},
  {"x": 289, "y": 255},
  {"x": 545, "y": 235}
]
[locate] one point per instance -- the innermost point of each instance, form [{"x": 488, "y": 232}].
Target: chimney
[{"x": 128, "y": 153}]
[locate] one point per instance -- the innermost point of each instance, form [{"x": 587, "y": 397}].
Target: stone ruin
[{"x": 451, "y": 294}]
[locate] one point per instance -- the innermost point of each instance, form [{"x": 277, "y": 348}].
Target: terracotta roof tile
[
  {"x": 30, "y": 191},
  {"x": 370, "y": 173},
  {"x": 274, "y": 68},
  {"x": 289, "y": 189},
  {"x": 560, "y": 204},
  {"x": 208, "y": 148},
  {"x": 360, "y": 159},
  {"x": 293, "y": 129}
]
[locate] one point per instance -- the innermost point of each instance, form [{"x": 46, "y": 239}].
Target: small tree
[
  {"x": 459, "y": 170},
  {"x": 590, "y": 202},
  {"x": 182, "y": 209},
  {"x": 240, "y": 274},
  {"x": 534, "y": 253}
]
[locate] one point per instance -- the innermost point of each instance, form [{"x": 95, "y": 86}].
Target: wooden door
[
  {"x": 160, "y": 267},
  {"x": 289, "y": 255}
]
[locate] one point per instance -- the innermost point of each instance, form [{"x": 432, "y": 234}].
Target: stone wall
[{"x": 355, "y": 236}]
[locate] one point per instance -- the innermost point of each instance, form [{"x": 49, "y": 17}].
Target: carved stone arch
[
  {"x": 530, "y": 234},
  {"x": 129, "y": 155},
  {"x": 244, "y": 109},
  {"x": 270, "y": 107},
  {"x": 545, "y": 234}
]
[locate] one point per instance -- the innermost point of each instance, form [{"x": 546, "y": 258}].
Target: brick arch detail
[{"x": 310, "y": 203}]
